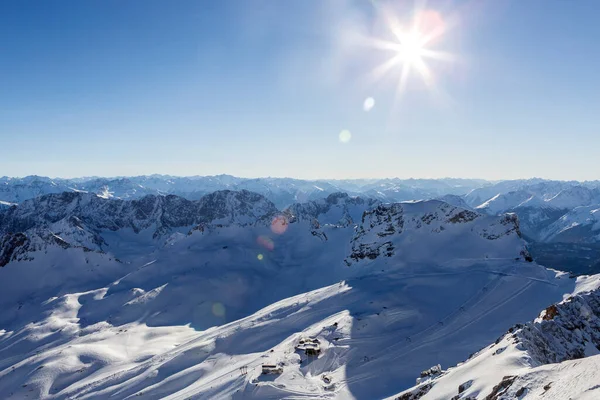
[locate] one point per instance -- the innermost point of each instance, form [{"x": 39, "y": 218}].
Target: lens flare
[
  {"x": 218, "y": 310},
  {"x": 260, "y": 257},
  {"x": 265, "y": 242},
  {"x": 368, "y": 104},
  {"x": 345, "y": 136},
  {"x": 279, "y": 225}
]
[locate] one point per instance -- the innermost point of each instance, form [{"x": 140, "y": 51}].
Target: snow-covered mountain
[
  {"x": 556, "y": 356},
  {"x": 538, "y": 203},
  {"x": 164, "y": 297},
  {"x": 79, "y": 218},
  {"x": 542, "y": 205},
  {"x": 336, "y": 209},
  {"x": 580, "y": 225},
  {"x": 545, "y": 190},
  {"x": 455, "y": 200},
  {"x": 281, "y": 191},
  {"x": 565, "y": 199}
]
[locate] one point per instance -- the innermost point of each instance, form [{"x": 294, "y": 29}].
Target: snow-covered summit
[
  {"x": 336, "y": 209},
  {"x": 428, "y": 231},
  {"x": 79, "y": 219}
]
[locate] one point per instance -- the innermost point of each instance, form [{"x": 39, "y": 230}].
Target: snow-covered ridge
[
  {"x": 427, "y": 230},
  {"x": 78, "y": 219},
  {"x": 541, "y": 206},
  {"x": 537, "y": 202},
  {"x": 281, "y": 191},
  {"x": 582, "y": 224},
  {"x": 286, "y": 191},
  {"x": 565, "y": 199},
  {"x": 336, "y": 209},
  {"x": 165, "y": 212},
  {"x": 520, "y": 363}
]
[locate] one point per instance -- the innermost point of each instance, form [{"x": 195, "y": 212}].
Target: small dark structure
[
  {"x": 311, "y": 346},
  {"x": 271, "y": 369}
]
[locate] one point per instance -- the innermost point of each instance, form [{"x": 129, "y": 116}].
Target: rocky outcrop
[
  {"x": 564, "y": 331},
  {"x": 12, "y": 246},
  {"x": 384, "y": 231},
  {"x": 338, "y": 209},
  {"x": 162, "y": 212},
  {"x": 78, "y": 219}
]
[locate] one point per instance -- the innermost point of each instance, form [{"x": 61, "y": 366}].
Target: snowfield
[
  {"x": 555, "y": 356},
  {"x": 340, "y": 297}
]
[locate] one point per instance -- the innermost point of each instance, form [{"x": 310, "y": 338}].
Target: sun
[{"x": 410, "y": 47}]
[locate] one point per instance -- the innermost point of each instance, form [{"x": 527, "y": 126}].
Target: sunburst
[{"x": 410, "y": 47}]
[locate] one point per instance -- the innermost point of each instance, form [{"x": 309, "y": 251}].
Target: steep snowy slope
[
  {"x": 510, "y": 194},
  {"x": 542, "y": 189},
  {"x": 554, "y": 357},
  {"x": 504, "y": 202},
  {"x": 190, "y": 301},
  {"x": 454, "y": 200},
  {"x": 582, "y": 224},
  {"x": 534, "y": 220}
]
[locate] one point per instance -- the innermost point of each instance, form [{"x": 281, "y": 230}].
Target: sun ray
[
  {"x": 381, "y": 70},
  {"x": 410, "y": 46},
  {"x": 403, "y": 78},
  {"x": 425, "y": 72},
  {"x": 439, "y": 55}
]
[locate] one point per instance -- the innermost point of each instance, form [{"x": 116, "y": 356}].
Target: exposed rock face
[
  {"x": 564, "y": 331},
  {"x": 337, "y": 209},
  {"x": 81, "y": 220},
  {"x": 416, "y": 394},
  {"x": 501, "y": 388},
  {"x": 510, "y": 221},
  {"x": 78, "y": 219},
  {"x": 11, "y": 247},
  {"x": 383, "y": 231},
  {"x": 164, "y": 211}
]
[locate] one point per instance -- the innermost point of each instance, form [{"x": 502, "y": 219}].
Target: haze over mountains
[{"x": 163, "y": 287}]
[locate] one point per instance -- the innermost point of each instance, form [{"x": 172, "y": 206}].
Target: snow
[
  {"x": 191, "y": 311},
  {"x": 584, "y": 216},
  {"x": 542, "y": 359}
]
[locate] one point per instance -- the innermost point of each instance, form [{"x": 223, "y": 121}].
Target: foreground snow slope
[
  {"x": 173, "y": 297},
  {"x": 554, "y": 357},
  {"x": 422, "y": 315}
]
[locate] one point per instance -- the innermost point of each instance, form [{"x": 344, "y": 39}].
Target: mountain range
[
  {"x": 161, "y": 296},
  {"x": 558, "y": 218}
]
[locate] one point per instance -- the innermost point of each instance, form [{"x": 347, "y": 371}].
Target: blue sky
[{"x": 263, "y": 88}]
